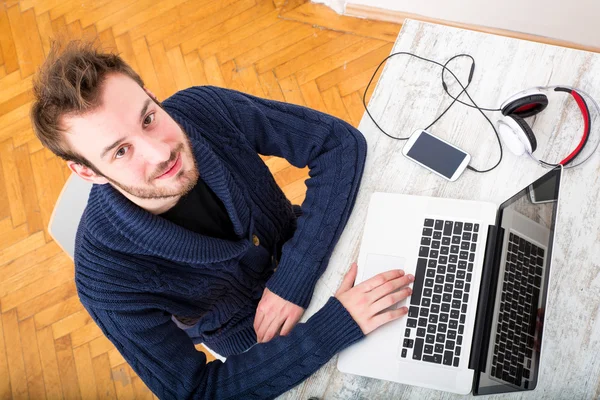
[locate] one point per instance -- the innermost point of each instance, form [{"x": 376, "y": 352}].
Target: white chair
[{"x": 67, "y": 213}]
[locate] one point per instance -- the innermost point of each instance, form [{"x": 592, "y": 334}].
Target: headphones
[{"x": 516, "y": 133}]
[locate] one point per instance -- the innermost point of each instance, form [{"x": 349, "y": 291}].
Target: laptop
[{"x": 482, "y": 274}]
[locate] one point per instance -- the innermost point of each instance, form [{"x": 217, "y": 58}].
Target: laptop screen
[{"x": 510, "y": 358}]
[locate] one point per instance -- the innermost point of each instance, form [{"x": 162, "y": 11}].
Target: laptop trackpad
[{"x": 378, "y": 263}]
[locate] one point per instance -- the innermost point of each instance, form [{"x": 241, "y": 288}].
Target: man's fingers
[
  {"x": 379, "y": 280},
  {"x": 258, "y": 320},
  {"x": 390, "y": 286},
  {"x": 287, "y": 327},
  {"x": 349, "y": 279},
  {"x": 272, "y": 330},
  {"x": 386, "y": 317},
  {"x": 390, "y": 300}
]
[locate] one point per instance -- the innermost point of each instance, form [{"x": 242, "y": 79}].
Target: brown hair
[{"x": 69, "y": 83}]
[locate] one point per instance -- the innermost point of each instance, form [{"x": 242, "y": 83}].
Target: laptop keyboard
[
  {"x": 438, "y": 305},
  {"x": 514, "y": 343}
]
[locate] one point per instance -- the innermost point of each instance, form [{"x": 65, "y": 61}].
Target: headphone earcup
[
  {"x": 517, "y": 135},
  {"x": 526, "y": 106}
]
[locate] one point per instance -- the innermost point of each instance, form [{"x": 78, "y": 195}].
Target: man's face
[{"x": 133, "y": 142}]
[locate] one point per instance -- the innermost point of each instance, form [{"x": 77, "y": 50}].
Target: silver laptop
[{"x": 482, "y": 274}]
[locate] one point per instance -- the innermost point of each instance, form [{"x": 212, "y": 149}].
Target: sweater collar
[{"x": 112, "y": 217}]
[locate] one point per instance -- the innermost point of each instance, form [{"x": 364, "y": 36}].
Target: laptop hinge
[{"x": 485, "y": 304}]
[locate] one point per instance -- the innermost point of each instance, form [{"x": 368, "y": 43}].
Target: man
[{"x": 187, "y": 238}]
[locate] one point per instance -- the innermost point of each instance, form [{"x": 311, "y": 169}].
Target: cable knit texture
[{"x": 135, "y": 270}]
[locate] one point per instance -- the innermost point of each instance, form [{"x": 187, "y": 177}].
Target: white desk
[{"x": 409, "y": 96}]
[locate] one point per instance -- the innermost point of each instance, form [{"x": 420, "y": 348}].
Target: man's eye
[
  {"x": 121, "y": 152},
  {"x": 148, "y": 120}
]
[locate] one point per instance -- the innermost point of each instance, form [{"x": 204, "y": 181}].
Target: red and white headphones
[{"x": 518, "y": 136}]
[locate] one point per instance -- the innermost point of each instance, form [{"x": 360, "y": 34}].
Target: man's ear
[
  {"x": 86, "y": 173},
  {"x": 151, "y": 95}
]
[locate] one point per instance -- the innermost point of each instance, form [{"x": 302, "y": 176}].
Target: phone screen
[
  {"x": 544, "y": 191},
  {"x": 436, "y": 154}
]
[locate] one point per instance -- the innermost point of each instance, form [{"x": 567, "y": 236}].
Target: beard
[{"x": 184, "y": 180}]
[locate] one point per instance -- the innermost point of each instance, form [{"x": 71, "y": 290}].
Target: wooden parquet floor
[{"x": 291, "y": 51}]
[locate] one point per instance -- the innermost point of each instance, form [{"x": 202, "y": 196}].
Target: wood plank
[
  {"x": 125, "y": 48},
  {"x": 49, "y": 361},
  {"x": 271, "y": 61},
  {"x": 108, "y": 41},
  {"x": 290, "y": 175},
  {"x": 28, "y": 260},
  {"x": 10, "y": 236},
  {"x": 312, "y": 96},
  {"x": 67, "y": 368},
  {"x": 298, "y": 199},
  {"x": 37, "y": 288},
  {"x": 276, "y": 164},
  {"x": 24, "y": 56},
  {"x": 194, "y": 19},
  {"x": 123, "y": 384},
  {"x": 335, "y": 105},
  {"x": 23, "y": 247},
  {"x": 262, "y": 37},
  {"x": 45, "y": 28},
  {"x": 338, "y": 59},
  {"x": 4, "y": 202},
  {"x": 275, "y": 46},
  {"x": 146, "y": 67},
  {"x": 85, "y": 334},
  {"x": 195, "y": 69},
  {"x": 246, "y": 80},
  {"x": 175, "y": 60},
  {"x": 321, "y": 15},
  {"x": 142, "y": 16},
  {"x": 141, "y": 390},
  {"x": 115, "y": 358},
  {"x": 214, "y": 76},
  {"x": 295, "y": 189},
  {"x": 209, "y": 41},
  {"x": 242, "y": 27},
  {"x": 70, "y": 323},
  {"x": 16, "y": 101},
  {"x": 7, "y": 43},
  {"x": 316, "y": 54},
  {"x": 359, "y": 82},
  {"x": 28, "y": 192},
  {"x": 90, "y": 8},
  {"x": 270, "y": 86},
  {"x": 59, "y": 27},
  {"x": 163, "y": 70},
  {"x": 74, "y": 29},
  {"x": 355, "y": 108},
  {"x": 12, "y": 184},
  {"x": 46, "y": 300},
  {"x": 100, "y": 345},
  {"x": 14, "y": 355},
  {"x": 102, "y": 11},
  {"x": 5, "y": 389},
  {"x": 355, "y": 67},
  {"x": 291, "y": 90},
  {"x": 34, "y": 41},
  {"x": 13, "y": 85},
  {"x": 85, "y": 372},
  {"x": 31, "y": 356},
  {"x": 57, "y": 312},
  {"x": 104, "y": 383}
]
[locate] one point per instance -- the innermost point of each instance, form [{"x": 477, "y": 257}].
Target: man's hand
[
  {"x": 275, "y": 316},
  {"x": 365, "y": 301}
]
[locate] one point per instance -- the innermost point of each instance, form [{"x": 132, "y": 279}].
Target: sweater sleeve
[
  {"x": 335, "y": 153},
  {"x": 166, "y": 360}
]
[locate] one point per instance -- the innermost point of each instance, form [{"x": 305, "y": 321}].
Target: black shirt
[{"x": 203, "y": 212}]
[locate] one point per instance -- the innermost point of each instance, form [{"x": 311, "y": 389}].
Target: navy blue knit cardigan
[{"x": 135, "y": 270}]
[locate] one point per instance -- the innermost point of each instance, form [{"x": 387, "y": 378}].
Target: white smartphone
[
  {"x": 437, "y": 155},
  {"x": 542, "y": 192}
]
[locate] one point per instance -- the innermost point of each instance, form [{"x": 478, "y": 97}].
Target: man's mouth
[{"x": 173, "y": 168}]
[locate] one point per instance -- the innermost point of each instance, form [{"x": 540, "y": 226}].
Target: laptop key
[
  {"x": 423, "y": 322},
  {"x": 425, "y": 241},
  {"x": 424, "y": 312},
  {"x": 439, "y": 224},
  {"x": 408, "y": 343},
  {"x": 455, "y": 361},
  {"x": 428, "y": 222},
  {"x": 413, "y": 312},
  {"x": 407, "y": 332},
  {"x": 420, "y": 332},
  {"x": 430, "y": 339},
  {"x": 428, "y": 349},
  {"x": 448, "y": 228},
  {"x": 403, "y": 353},
  {"x": 423, "y": 251},
  {"x": 415, "y": 298},
  {"x": 418, "y": 350},
  {"x": 468, "y": 226},
  {"x": 411, "y": 323},
  {"x": 447, "y": 358},
  {"x": 457, "y": 350},
  {"x": 427, "y": 231},
  {"x": 436, "y": 358},
  {"x": 439, "y": 348},
  {"x": 458, "y": 228},
  {"x": 476, "y": 228}
]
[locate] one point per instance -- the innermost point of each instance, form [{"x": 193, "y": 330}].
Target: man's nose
[{"x": 155, "y": 150}]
